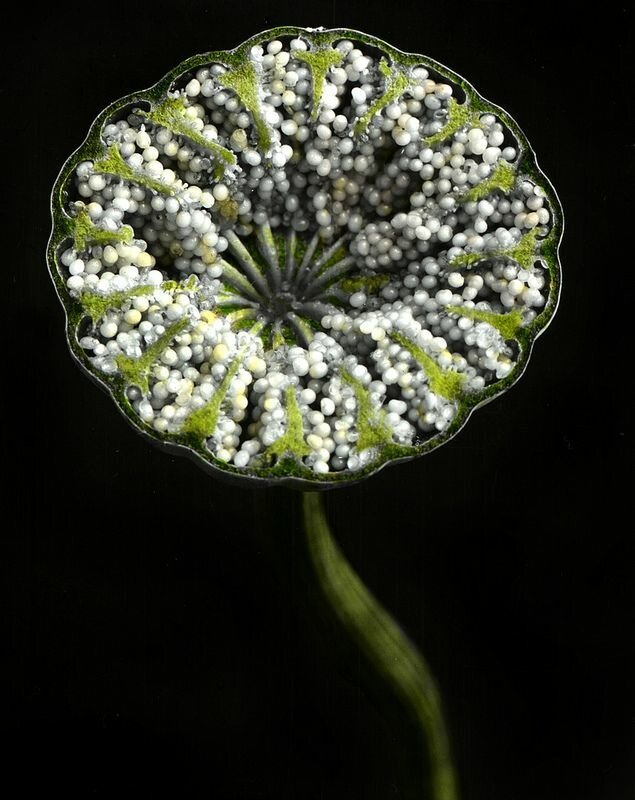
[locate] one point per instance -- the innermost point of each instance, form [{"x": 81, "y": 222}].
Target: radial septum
[{"x": 305, "y": 257}]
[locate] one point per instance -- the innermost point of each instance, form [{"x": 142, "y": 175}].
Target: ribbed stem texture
[{"x": 379, "y": 637}]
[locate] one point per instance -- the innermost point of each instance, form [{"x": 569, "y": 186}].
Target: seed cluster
[{"x": 308, "y": 252}]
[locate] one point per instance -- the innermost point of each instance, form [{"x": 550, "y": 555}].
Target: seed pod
[{"x": 304, "y": 258}]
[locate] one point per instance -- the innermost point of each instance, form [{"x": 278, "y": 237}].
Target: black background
[{"x": 158, "y": 642}]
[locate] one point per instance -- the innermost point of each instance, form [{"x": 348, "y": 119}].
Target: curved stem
[{"x": 377, "y": 634}]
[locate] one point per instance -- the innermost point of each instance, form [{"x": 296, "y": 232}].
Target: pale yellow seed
[
  {"x": 145, "y": 260},
  {"x": 132, "y": 317},
  {"x": 314, "y": 442},
  {"x": 220, "y": 352}
]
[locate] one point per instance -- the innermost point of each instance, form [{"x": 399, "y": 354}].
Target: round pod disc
[{"x": 305, "y": 258}]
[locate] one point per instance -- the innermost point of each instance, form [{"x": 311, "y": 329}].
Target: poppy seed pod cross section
[{"x": 305, "y": 258}]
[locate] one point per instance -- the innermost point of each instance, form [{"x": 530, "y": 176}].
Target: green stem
[{"x": 381, "y": 640}]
